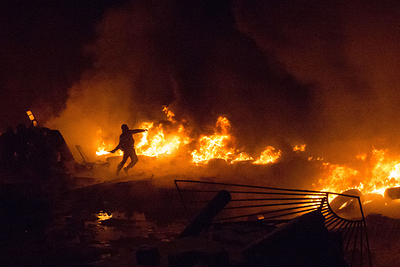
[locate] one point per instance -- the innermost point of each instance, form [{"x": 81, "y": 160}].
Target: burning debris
[
  {"x": 258, "y": 87},
  {"x": 302, "y": 235},
  {"x": 171, "y": 138}
]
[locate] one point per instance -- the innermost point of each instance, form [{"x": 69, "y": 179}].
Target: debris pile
[
  {"x": 303, "y": 241},
  {"x": 35, "y": 151}
]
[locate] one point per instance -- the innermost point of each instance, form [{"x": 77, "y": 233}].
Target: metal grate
[{"x": 276, "y": 206}]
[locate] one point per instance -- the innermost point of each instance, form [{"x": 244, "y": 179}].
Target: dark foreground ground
[{"x": 80, "y": 221}]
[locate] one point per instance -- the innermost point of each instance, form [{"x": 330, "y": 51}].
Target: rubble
[{"x": 35, "y": 152}]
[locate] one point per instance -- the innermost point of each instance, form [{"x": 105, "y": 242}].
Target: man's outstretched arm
[{"x": 134, "y": 131}]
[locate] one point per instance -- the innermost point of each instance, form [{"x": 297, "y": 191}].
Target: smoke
[
  {"x": 128, "y": 83},
  {"x": 345, "y": 51},
  {"x": 189, "y": 56},
  {"x": 283, "y": 73}
]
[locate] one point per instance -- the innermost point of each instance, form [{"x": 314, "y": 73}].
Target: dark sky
[{"x": 282, "y": 71}]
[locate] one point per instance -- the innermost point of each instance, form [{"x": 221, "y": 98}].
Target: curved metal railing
[{"x": 276, "y": 206}]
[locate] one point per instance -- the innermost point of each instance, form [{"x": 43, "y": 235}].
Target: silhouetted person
[{"x": 127, "y": 145}]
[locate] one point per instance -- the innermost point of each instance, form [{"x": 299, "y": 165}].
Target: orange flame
[
  {"x": 375, "y": 171},
  {"x": 216, "y": 145},
  {"x": 103, "y": 146},
  {"x": 340, "y": 178},
  {"x": 160, "y": 143},
  {"x": 381, "y": 172},
  {"x": 156, "y": 142},
  {"x": 168, "y": 112},
  {"x": 299, "y": 148},
  {"x": 242, "y": 157},
  {"x": 268, "y": 156}
]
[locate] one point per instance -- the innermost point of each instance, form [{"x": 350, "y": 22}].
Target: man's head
[{"x": 124, "y": 127}]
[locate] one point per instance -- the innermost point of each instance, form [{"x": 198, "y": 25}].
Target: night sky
[{"x": 281, "y": 71}]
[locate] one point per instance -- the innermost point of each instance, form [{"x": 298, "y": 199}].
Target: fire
[
  {"x": 375, "y": 171},
  {"x": 143, "y": 141},
  {"x": 168, "y": 112},
  {"x": 103, "y": 146},
  {"x": 340, "y": 178},
  {"x": 242, "y": 156},
  {"x": 166, "y": 139},
  {"x": 156, "y": 142},
  {"x": 268, "y": 156},
  {"x": 380, "y": 173},
  {"x": 102, "y": 216},
  {"x": 385, "y": 173},
  {"x": 299, "y": 148},
  {"x": 216, "y": 145},
  {"x": 160, "y": 143}
]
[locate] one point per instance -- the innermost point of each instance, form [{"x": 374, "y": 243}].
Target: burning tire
[
  {"x": 346, "y": 206},
  {"x": 392, "y": 193}
]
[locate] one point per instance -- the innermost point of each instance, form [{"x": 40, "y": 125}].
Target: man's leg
[
  {"x": 122, "y": 163},
  {"x": 134, "y": 160}
]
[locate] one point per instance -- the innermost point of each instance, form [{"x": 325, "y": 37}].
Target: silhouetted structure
[
  {"x": 21, "y": 145},
  {"x": 7, "y": 149},
  {"x": 35, "y": 150},
  {"x": 127, "y": 145}
]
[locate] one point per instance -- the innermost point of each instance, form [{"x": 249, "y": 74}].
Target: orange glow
[
  {"x": 160, "y": 143},
  {"x": 32, "y": 118},
  {"x": 374, "y": 172},
  {"x": 268, "y": 156},
  {"x": 381, "y": 173},
  {"x": 216, "y": 145},
  {"x": 242, "y": 156},
  {"x": 168, "y": 112},
  {"x": 361, "y": 156},
  {"x": 339, "y": 179},
  {"x": 385, "y": 173},
  {"x": 300, "y": 148},
  {"x": 157, "y": 142},
  {"x": 103, "y": 146},
  {"x": 102, "y": 216}
]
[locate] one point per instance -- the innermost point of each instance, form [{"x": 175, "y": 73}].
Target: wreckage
[
  {"x": 241, "y": 225},
  {"x": 230, "y": 224},
  {"x": 39, "y": 152}
]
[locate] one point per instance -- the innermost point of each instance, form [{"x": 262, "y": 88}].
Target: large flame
[
  {"x": 104, "y": 145},
  {"x": 268, "y": 156},
  {"x": 217, "y": 145},
  {"x": 378, "y": 171},
  {"x": 158, "y": 142}
]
